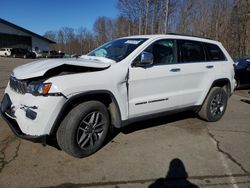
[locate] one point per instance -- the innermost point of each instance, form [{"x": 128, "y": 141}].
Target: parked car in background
[
  {"x": 242, "y": 72},
  {"x": 52, "y": 54},
  {"x": 24, "y": 53},
  {"x": 5, "y": 52},
  {"x": 38, "y": 54},
  {"x": 75, "y": 56},
  {"x": 67, "y": 55},
  {"x": 45, "y": 54}
]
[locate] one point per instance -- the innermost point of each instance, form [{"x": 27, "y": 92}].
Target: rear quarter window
[
  {"x": 214, "y": 53},
  {"x": 191, "y": 51}
]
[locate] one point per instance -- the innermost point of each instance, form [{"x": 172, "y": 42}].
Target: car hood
[{"x": 39, "y": 68}]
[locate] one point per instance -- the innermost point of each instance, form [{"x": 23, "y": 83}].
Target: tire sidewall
[{"x": 74, "y": 122}]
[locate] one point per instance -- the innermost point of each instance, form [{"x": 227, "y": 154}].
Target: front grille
[{"x": 18, "y": 85}]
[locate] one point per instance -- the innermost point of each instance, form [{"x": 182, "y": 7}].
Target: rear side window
[
  {"x": 191, "y": 51},
  {"x": 214, "y": 53}
]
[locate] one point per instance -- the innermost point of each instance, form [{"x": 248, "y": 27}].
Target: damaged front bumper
[
  {"x": 30, "y": 117},
  {"x": 4, "y": 110}
]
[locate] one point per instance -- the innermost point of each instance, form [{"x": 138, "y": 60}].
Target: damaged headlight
[{"x": 38, "y": 88}]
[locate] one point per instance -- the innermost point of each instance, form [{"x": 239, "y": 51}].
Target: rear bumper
[{"x": 17, "y": 131}]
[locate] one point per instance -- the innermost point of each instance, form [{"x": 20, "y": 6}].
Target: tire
[
  {"x": 215, "y": 105},
  {"x": 78, "y": 134}
]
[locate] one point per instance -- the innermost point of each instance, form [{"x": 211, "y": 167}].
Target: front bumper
[
  {"x": 30, "y": 117},
  {"x": 34, "y": 115},
  {"x": 17, "y": 131}
]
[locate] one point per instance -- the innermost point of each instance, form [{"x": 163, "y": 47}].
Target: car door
[
  {"x": 155, "y": 88},
  {"x": 198, "y": 71}
]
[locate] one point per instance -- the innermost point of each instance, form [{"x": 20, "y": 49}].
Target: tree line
[{"x": 227, "y": 21}]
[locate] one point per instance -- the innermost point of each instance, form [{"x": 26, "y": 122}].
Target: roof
[{"x": 25, "y": 30}]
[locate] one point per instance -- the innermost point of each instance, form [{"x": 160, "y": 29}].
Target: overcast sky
[{"x": 40, "y": 16}]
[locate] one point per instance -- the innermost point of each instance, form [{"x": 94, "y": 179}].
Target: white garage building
[{"x": 13, "y": 36}]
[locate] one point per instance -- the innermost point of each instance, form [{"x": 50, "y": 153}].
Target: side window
[
  {"x": 163, "y": 51},
  {"x": 191, "y": 51},
  {"x": 214, "y": 53}
]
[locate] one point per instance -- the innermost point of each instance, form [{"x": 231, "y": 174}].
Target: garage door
[{"x": 15, "y": 41}]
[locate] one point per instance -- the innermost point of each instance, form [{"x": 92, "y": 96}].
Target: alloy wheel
[
  {"x": 217, "y": 105},
  {"x": 90, "y": 130}
]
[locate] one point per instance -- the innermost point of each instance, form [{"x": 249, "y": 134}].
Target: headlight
[{"x": 38, "y": 88}]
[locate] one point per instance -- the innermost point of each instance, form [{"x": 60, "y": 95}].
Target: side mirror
[{"x": 146, "y": 58}]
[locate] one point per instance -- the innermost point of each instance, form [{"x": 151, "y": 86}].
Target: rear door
[{"x": 197, "y": 74}]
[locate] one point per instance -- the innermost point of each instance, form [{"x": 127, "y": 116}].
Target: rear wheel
[
  {"x": 84, "y": 129},
  {"x": 215, "y": 105}
]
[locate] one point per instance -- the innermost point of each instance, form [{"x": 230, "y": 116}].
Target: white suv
[
  {"x": 76, "y": 101},
  {"x": 5, "y": 52}
]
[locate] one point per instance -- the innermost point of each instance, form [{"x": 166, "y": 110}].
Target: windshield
[{"x": 117, "y": 49}]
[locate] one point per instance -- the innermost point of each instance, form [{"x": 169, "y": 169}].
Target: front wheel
[
  {"x": 215, "y": 105},
  {"x": 84, "y": 129}
]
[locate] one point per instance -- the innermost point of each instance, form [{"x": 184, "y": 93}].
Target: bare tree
[
  {"x": 225, "y": 20},
  {"x": 166, "y": 16}
]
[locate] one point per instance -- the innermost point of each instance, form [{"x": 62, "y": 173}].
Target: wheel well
[
  {"x": 106, "y": 98},
  {"x": 223, "y": 83}
]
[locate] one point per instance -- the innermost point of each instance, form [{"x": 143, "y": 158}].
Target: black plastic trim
[
  {"x": 159, "y": 114},
  {"x": 223, "y": 80}
]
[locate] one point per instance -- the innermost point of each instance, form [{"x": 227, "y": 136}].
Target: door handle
[
  {"x": 175, "y": 70},
  {"x": 209, "y": 66}
]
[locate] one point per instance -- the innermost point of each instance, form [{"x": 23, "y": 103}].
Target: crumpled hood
[{"x": 39, "y": 68}]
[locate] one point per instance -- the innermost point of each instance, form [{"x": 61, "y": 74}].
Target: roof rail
[{"x": 188, "y": 35}]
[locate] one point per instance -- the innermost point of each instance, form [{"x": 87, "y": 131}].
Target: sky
[{"x": 40, "y": 16}]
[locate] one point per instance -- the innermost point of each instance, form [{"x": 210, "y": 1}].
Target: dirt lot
[{"x": 173, "y": 150}]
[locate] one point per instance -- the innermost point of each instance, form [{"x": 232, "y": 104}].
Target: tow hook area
[{"x": 31, "y": 114}]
